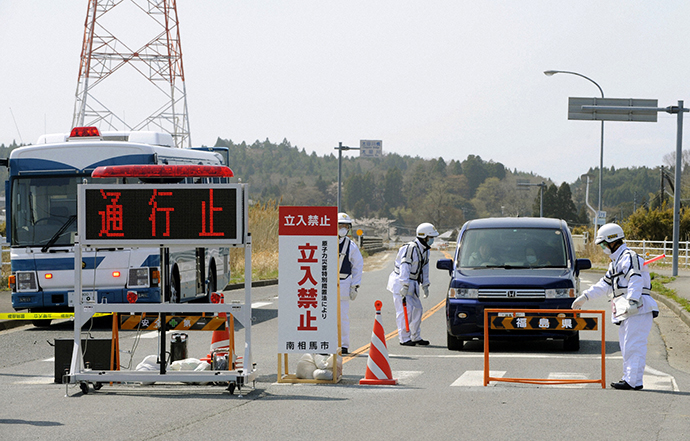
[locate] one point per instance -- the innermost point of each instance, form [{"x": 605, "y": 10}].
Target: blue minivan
[{"x": 511, "y": 263}]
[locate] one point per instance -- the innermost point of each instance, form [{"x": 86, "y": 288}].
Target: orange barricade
[{"x": 580, "y": 323}]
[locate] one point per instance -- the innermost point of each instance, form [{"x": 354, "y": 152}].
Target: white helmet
[
  {"x": 343, "y": 218},
  {"x": 609, "y": 233},
  {"x": 426, "y": 230}
]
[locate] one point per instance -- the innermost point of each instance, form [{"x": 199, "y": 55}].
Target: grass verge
[{"x": 659, "y": 286}]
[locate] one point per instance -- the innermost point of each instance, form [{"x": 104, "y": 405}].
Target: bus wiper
[{"x": 59, "y": 232}]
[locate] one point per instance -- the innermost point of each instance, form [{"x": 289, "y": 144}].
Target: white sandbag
[
  {"x": 305, "y": 367},
  {"x": 149, "y": 364},
  {"x": 190, "y": 364},
  {"x": 324, "y": 363}
]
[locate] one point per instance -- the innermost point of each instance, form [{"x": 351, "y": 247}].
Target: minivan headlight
[
  {"x": 560, "y": 293},
  {"x": 463, "y": 293}
]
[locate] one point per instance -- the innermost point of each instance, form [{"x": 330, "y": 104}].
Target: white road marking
[
  {"x": 657, "y": 380},
  {"x": 570, "y": 376},
  {"x": 36, "y": 380},
  {"x": 260, "y": 304},
  {"x": 475, "y": 378},
  {"x": 403, "y": 376},
  {"x": 492, "y": 356}
]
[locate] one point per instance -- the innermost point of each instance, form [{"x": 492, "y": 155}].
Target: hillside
[{"x": 411, "y": 189}]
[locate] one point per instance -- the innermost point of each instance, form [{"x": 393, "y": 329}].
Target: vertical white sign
[{"x": 308, "y": 280}]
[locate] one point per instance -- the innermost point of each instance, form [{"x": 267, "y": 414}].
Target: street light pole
[
  {"x": 549, "y": 73},
  {"x": 340, "y": 149}
]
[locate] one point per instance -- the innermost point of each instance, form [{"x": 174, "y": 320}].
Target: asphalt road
[{"x": 439, "y": 392}]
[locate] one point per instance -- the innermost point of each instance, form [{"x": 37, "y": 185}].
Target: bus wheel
[
  {"x": 174, "y": 287},
  {"x": 41, "y": 323},
  {"x": 212, "y": 284}
]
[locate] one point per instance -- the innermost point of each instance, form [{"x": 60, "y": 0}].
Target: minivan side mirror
[
  {"x": 582, "y": 264},
  {"x": 445, "y": 264}
]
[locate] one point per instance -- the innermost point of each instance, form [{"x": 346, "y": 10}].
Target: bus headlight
[
  {"x": 138, "y": 277},
  {"x": 26, "y": 281},
  {"x": 559, "y": 293}
]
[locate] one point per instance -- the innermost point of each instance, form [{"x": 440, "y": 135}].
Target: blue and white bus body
[{"x": 41, "y": 200}]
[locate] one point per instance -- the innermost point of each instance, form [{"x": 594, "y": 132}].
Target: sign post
[
  {"x": 308, "y": 289},
  {"x": 633, "y": 109}
]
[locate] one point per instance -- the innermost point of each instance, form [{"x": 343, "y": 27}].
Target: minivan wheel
[
  {"x": 454, "y": 343},
  {"x": 572, "y": 343}
]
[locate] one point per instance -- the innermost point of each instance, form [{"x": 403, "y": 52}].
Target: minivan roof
[{"x": 513, "y": 222}]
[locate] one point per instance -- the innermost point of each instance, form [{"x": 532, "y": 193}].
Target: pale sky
[{"x": 429, "y": 78}]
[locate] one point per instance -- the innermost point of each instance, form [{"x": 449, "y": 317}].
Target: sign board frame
[
  {"x": 87, "y": 209},
  {"x": 309, "y": 287},
  {"x": 516, "y": 312}
]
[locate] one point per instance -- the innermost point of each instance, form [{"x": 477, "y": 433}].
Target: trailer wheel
[
  {"x": 41, "y": 323},
  {"x": 84, "y": 388}
]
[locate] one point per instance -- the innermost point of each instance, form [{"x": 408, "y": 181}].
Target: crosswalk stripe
[{"x": 475, "y": 378}]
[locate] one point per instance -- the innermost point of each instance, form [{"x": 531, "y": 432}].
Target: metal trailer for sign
[{"x": 84, "y": 310}]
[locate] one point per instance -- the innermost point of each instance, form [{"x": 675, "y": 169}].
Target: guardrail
[
  {"x": 371, "y": 244},
  {"x": 653, "y": 248}
]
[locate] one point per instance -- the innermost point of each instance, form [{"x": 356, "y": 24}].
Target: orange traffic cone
[
  {"x": 220, "y": 340},
  {"x": 378, "y": 367}
]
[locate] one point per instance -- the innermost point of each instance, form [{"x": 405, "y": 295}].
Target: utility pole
[
  {"x": 340, "y": 149},
  {"x": 111, "y": 50},
  {"x": 541, "y": 198}
]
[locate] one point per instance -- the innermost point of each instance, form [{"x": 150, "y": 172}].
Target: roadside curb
[{"x": 674, "y": 306}]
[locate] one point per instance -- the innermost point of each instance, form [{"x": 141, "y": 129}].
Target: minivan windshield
[{"x": 512, "y": 248}]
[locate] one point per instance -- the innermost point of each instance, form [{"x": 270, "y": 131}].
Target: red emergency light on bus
[
  {"x": 84, "y": 132},
  {"x": 163, "y": 171}
]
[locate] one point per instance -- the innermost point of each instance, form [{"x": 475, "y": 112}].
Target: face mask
[
  {"x": 430, "y": 241},
  {"x": 531, "y": 259},
  {"x": 342, "y": 232},
  {"x": 606, "y": 249}
]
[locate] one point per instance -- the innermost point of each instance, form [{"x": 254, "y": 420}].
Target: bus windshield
[
  {"x": 41, "y": 206},
  {"x": 44, "y": 210}
]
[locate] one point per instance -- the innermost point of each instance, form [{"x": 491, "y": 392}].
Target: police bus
[{"x": 41, "y": 205}]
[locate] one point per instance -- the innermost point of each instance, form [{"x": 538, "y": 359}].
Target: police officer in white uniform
[
  {"x": 410, "y": 274},
  {"x": 628, "y": 283},
  {"x": 351, "y": 266}
]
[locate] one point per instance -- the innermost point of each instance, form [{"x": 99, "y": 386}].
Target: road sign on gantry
[{"x": 613, "y": 109}]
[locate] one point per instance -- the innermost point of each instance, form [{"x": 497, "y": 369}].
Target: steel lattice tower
[{"x": 105, "y": 59}]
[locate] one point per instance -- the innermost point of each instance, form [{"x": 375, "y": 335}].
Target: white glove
[
  {"x": 425, "y": 288},
  {"x": 578, "y": 302},
  {"x": 353, "y": 291},
  {"x": 404, "y": 290}
]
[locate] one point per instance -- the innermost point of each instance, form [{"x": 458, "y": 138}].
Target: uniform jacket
[
  {"x": 627, "y": 276},
  {"x": 411, "y": 267}
]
